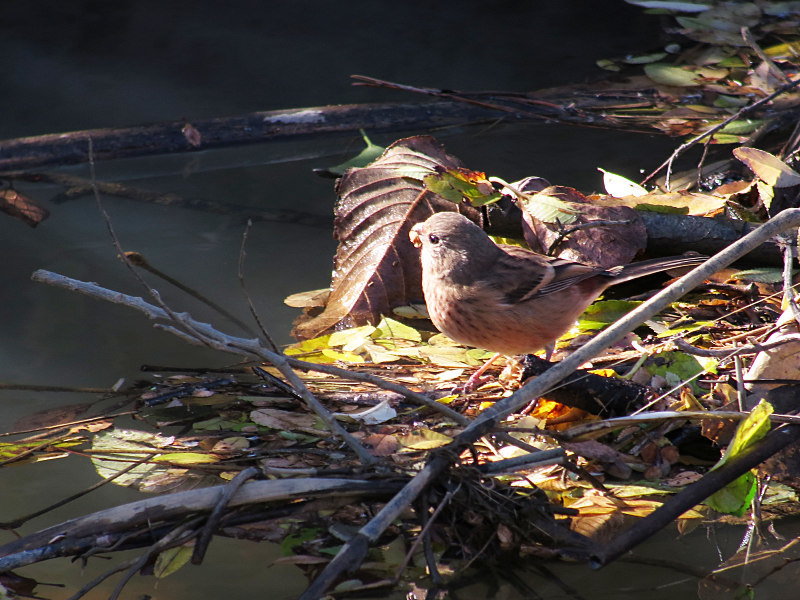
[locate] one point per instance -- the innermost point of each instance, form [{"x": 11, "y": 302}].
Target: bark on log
[{"x": 179, "y": 136}]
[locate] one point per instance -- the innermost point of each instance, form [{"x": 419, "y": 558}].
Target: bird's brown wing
[{"x": 532, "y": 275}]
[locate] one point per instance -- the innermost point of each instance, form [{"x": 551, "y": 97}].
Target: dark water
[{"x": 75, "y": 65}]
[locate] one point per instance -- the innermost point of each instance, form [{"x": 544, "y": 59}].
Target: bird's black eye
[{"x": 433, "y": 238}]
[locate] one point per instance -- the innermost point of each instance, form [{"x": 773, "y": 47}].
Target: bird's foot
[{"x": 476, "y": 379}]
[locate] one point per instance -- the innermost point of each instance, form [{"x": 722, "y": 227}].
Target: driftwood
[
  {"x": 205, "y": 134},
  {"x": 103, "y": 529}
]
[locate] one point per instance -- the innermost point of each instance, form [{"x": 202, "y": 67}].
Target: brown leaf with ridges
[{"x": 376, "y": 267}]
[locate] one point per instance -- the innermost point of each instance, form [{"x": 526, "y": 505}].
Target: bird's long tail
[{"x": 655, "y": 265}]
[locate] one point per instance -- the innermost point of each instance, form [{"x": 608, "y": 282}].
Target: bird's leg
[{"x": 476, "y": 379}]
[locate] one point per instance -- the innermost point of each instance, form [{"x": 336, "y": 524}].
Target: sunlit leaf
[
  {"x": 619, "y": 186},
  {"x": 389, "y": 328},
  {"x": 749, "y": 431},
  {"x": 348, "y": 357},
  {"x": 676, "y": 367},
  {"x": 309, "y": 299},
  {"x": 602, "y": 313},
  {"x": 767, "y": 167},
  {"x": 423, "y": 439},
  {"x": 379, "y": 413},
  {"x": 458, "y": 184},
  {"x": 549, "y": 209},
  {"x": 348, "y": 338},
  {"x": 735, "y": 497},
  {"x": 186, "y": 458}
]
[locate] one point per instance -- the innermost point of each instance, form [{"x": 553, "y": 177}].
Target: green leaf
[
  {"x": 295, "y": 539},
  {"x": 675, "y": 367},
  {"x": 459, "y": 184},
  {"x": 548, "y": 209},
  {"x": 735, "y": 497},
  {"x": 173, "y": 559},
  {"x": 761, "y": 275},
  {"x": 604, "y": 312},
  {"x": 186, "y": 458},
  {"x": 749, "y": 431},
  {"x": 362, "y": 159},
  {"x": 669, "y": 75}
]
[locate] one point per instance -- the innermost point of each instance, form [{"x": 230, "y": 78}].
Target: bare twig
[
  {"x": 207, "y": 532},
  {"x": 243, "y": 284},
  {"x": 138, "y": 259},
  {"x": 711, "y": 131}
]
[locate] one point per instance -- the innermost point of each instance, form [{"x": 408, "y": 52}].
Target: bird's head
[{"x": 450, "y": 244}]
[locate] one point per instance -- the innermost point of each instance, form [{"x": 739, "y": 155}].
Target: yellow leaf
[
  {"x": 767, "y": 167},
  {"x": 186, "y": 458}
]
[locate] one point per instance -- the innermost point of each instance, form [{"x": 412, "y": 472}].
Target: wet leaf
[
  {"x": 669, "y": 75},
  {"x": 768, "y": 167},
  {"x": 376, "y": 267},
  {"x": 22, "y": 207}
]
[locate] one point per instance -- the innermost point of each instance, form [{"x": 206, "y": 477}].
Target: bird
[{"x": 508, "y": 299}]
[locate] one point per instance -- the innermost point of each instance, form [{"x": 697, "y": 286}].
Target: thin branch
[
  {"x": 711, "y": 131},
  {"x": 208, "y": 336},
  {"x": 243, "y": 284}
]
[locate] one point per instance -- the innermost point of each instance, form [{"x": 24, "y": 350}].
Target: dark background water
[{"x": 71, "y": 65}]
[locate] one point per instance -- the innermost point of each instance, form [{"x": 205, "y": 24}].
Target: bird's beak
[{"x": 415, "y": 235}]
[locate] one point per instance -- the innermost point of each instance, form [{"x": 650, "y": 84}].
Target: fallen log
[{"x": 205, "y": 134}]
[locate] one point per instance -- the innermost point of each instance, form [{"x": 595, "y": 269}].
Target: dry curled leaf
[
  {"x": 616, "y": 238},
  {"x": 376, "y": 268}
]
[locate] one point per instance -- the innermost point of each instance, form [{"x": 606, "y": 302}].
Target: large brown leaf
[{"x": 376, "y": 268}]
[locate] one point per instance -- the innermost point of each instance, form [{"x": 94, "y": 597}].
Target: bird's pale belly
[{"x": 508, "y": 329}]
